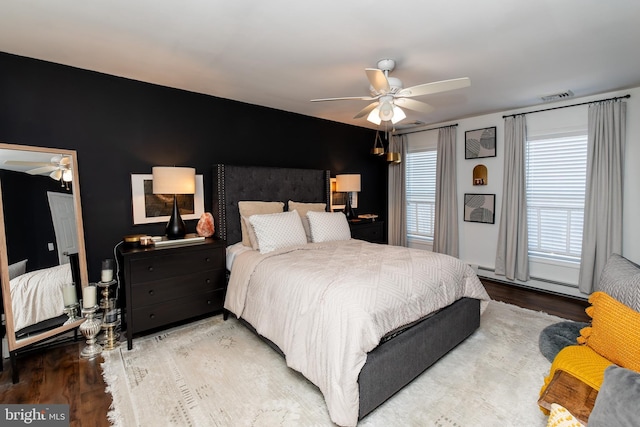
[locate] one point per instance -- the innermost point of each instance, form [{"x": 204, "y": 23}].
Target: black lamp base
[
  {"x": 348, "y": 210},
  {"x": 175, "y": 227}
]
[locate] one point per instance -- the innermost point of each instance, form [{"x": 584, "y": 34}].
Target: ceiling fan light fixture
[
  {"x": 398, "y": 115},
  {"x": 386, "y": 111},
  {"x": 374, "y": 116},
  {"x": 67, "y": 175}
]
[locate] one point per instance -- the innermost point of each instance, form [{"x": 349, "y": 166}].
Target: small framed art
[
  {"x": 480, "y": 208},
  {"x": 149, "y": 208},
  {"x": 480, "y": 143}
]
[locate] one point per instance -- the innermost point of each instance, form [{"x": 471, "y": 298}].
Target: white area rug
[{"x": 217, "y": 373}]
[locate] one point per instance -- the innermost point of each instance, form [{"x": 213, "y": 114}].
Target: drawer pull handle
[
  {"x": 152, "y": 316},
  {"x": 208, "y": 302},
  {"x": 208, "y": 281},
  {"x": 207, "y": 259},
  {"x": 151, "y": 292},
  {"x": 151, "y": 268}
]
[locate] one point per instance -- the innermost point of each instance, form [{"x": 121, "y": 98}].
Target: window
[
  {"x": 556, "y": 180},
  {"x": 420, "y": 184}
]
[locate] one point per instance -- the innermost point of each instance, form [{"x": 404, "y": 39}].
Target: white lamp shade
[
  {"x": 173, "y": 180},
  {"x": 348, "y": 182}
]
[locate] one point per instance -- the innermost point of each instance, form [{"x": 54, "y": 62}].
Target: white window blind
[
  {"x": 421, "y": 193},
  {"x": 556, "y": 180}
]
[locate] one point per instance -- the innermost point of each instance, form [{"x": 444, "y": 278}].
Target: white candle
[
  {"x": 106, "y": 276},
  {"x": 69, "y": 295},
  {"x": 88, "y": 296}
]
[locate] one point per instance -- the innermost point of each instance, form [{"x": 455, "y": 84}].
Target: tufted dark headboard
[{"x": 232, "y": 184}]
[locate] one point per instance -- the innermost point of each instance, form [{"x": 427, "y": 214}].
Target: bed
[{"x": 357, "y": 374}]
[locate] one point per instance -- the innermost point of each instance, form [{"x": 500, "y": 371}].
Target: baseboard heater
[{"x": 535, "y": 283}]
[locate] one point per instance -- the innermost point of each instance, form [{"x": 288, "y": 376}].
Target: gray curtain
[
  {"x": 602, "y": 230},
  {"x": 512, "y": 255},
  {"x": 397, "y": 228},
  {"x": 445, "y": 236}
]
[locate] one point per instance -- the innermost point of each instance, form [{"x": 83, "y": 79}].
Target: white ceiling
[{"x": 283, "y": 53}]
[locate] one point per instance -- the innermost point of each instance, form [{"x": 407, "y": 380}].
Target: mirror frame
[{"x": 4, "y": 258}]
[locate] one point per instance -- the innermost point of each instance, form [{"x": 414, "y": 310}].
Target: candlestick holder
[
  {"x": 72, "y": 312},
  {"x": 106, "y": 293},
  {"x": 90, "y": 328},
  {"x": 109, "y": 338}
]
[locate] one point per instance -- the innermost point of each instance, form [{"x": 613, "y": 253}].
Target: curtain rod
[
  {"x": 425, "y": 130},
  {"x": 566, "y": 106}
]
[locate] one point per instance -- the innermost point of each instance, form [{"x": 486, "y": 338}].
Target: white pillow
[
  {"x": 248, "y": 208},
  {"x": 328, "y": 226},
  {"x": 278, "y": 230},
  {"x": 302, "y": 209}
]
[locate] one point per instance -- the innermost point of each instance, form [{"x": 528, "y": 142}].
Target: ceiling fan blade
[
  {"x": 435, "y": 87},
  {"x": 25, "y": 163},
  {"x": 366, "y": 110},
  {"x": 347, "y": 98},
  {"x": 42, "y": 170},
  {"x": 56, "y": 174},
  {"x": 378, "y": 80},
  {"x": 414, "y": 105}
]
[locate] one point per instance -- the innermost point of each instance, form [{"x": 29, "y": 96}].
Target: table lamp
[
  {"x": 174, "y": 180},
  {"x": 348, "y": 183}
]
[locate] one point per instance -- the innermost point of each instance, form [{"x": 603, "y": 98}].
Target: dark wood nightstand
[
  {"x": 171, "y": 284},
  {"x": 371, "y": 231}
]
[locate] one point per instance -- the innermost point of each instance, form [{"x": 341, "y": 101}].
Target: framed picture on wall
[
  {"x": 480, "y": 208},
  {"x": 480, "y": 143},
  {"x": 149, "y": 208}
]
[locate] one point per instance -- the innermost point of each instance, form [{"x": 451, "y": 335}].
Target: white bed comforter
[
  {"x": 37, "y": 296},
  {"x": 327, "y": 304}
]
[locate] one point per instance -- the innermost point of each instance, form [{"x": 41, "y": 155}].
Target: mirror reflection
[{"x": 43, "y": 241}]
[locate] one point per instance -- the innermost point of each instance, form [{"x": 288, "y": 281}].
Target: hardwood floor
[{"x": 59, "y": 375}]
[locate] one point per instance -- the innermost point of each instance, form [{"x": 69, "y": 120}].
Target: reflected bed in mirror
[{"x": 42, "y": 243}]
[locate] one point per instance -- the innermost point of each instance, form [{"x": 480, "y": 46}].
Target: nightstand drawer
[
  {"x": 176, "y": 264},
  {"x": 148, "y": 293},
  {"x": 153, "y": 316}
]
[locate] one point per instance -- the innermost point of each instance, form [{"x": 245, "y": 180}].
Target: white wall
[{"x": 478, "y": 241}]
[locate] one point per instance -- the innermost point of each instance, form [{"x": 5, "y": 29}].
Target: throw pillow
[
  {"x": 557, "y": 336},
  {"x": 278, "y": 231},
  {"x": 617, "y": 401},
  {"x": 328, "y": 226},
  {"x": 248, "y": 208},
  {"x": 621, "y": 279},
  {"x": 302, "y": 209},
  {"x": 613, "y": 332},
  {"x": 17, "y": 269},
  {"x": 561, "y": 417}
]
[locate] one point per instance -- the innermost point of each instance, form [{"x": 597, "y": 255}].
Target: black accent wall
[{"x": 120, "y": 126}]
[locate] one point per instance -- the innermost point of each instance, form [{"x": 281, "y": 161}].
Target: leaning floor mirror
[{"x": 43, "y": 263}]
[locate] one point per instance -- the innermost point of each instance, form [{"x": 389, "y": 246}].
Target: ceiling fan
[
  {"x": 389, "y": 96},
  {"x": 59, "y": 168}
]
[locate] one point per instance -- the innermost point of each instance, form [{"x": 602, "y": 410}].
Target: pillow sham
[
  {"x": 613, "y": 333},
  {"x": 278, "y": 230},
  {"x": 620, "y": 278},
  {"x": 17, "y": 269},
  {"x": 328, "y": 226},
  {"x": 302, "y": 209},
  {"x": 248, "y": 208},
  {"x": 617, "y": 400}
]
